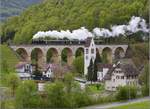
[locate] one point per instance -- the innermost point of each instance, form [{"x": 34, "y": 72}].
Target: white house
[
  {"x": 89, "y": 53},
  {"x": 121, "y": 75},
  {"x": 48, "y": 72},
  {"x": 24, "y": 70},
  {"x": 102, "y": 70}
]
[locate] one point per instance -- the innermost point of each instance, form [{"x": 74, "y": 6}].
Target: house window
[
  {"x": 86, "y": 57},
  {"x": 122, "y": 77},
  {"x": 92, "y": 50},
  {"x": 87, "y": 51},
  {"x": 117, "y": 77}
]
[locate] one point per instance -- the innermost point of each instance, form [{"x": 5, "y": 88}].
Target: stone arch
[
  {"x": 67, "y": 55},
  {"x": 23, "y": 54},
  {"x": 37, "y": 57},
  {"x": 107, "y": 55},
  {"x": 52, "y": 56},
  {"x": 79, "y": 51},
  {"x": 119, "y": 53},
  {"x": 98, "y": 55}
]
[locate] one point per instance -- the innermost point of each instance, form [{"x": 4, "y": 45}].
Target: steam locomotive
[{"x": 62, "y": 42}]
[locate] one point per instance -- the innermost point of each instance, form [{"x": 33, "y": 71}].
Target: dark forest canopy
[{"x": 71, "y": 14}]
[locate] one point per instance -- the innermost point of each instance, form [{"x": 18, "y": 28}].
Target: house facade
[
  {"x": 102, "y": 71},
  {"x": 89, "y": 53},
  {"x": 24, "y": 70},
  {"x": 48, "y": 72},
  {"x": 121, "y": 75}
]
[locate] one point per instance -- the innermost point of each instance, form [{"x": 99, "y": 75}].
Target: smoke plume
[{"x": 135, "y": 24}]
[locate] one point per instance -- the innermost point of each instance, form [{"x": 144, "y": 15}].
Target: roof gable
[{"x": 127, "y": 69}]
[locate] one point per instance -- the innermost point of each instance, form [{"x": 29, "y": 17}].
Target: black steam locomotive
[{"x": 62, "y": 42}]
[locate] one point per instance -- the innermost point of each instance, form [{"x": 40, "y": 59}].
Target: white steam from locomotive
[{"x": 135, "y": 24}]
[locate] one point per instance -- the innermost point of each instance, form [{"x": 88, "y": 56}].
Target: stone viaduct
[{"x": 26, "y": 51}]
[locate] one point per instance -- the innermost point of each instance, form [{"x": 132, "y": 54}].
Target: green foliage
[
  {"x": 79, "y": 64},
  {"x": 144, "y": 78},
  {"x": 26, "y": 95},
  {"x": 66, "y": 94},
  {"x": 72, "y": 14},
  {"x": 79, "y": 52},
  {"x": 56, "y": 95},
  {"x": 98, "y": 58},
  {"x": 126, "y": 92},
  {"x": 90, "y": 71},
  {"x": 95, "y": 88},
  {"x": 8, "y": 59},
  {"x": 14, "y": 7},
  {"x": 95, "y": 71},
  {"x": 104, "y": 58},
  {"x": 64, "y": 55},
  {"x": 49, "y": 56},
  {"x": 69, "y": 82},
  {"x": 140, "y": 53},
  {"x": 12, "y": 81}
]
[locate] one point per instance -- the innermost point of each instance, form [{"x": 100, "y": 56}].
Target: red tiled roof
[{"x": 21, "y": 64}]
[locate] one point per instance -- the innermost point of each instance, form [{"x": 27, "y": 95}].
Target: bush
[
  {"x": 145, "y": 90},
  {"x": 126, "y": 92},
  {"x": 26, "y": 95},
  {"x": 79, "y": 64},
  {"x": 82, "y": 99},
  {"x": 12, "y": 81}
]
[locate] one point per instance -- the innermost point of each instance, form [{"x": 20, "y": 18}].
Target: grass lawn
[
  {"x": 94, "y": 89},
  {"x": 140, "y": 105}
]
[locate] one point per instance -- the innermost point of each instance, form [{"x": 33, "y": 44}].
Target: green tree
[
  {"x": 98, "y": 58},
  {"x": 93, "y": 13},
  {"x": 79, "y": 64},
  {"x": 104, "y": 58},
  {"x": 90, "y": 71},
  {"x": 4, "y": 67},
  {"x": 12, "y": 81},
  {"x": 26, "y": 95},
  {"x": 95, "y": 71},
  {"x": 68, "y": 81},
  {"x": 56, "y": 95}
]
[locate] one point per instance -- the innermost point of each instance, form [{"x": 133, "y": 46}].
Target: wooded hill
[
  {"x": 14, "y": 7},
  {"x": 71, "y": 14}
]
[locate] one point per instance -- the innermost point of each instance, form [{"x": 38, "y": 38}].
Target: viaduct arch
[{"x": 26, "y": 51}]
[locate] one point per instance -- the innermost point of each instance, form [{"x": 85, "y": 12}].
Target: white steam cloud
[{"x": 135, "y": 24}]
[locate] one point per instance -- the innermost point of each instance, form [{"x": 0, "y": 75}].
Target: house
[
  {"x": 89, "y": 53},
  {"x": 48, "y": 71},
  {"x": 121, "y": 75},
  {"x": 102, "y": 70},
  {"x": 56, "y": 70},
  {"x": 24, "y": 70}
]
